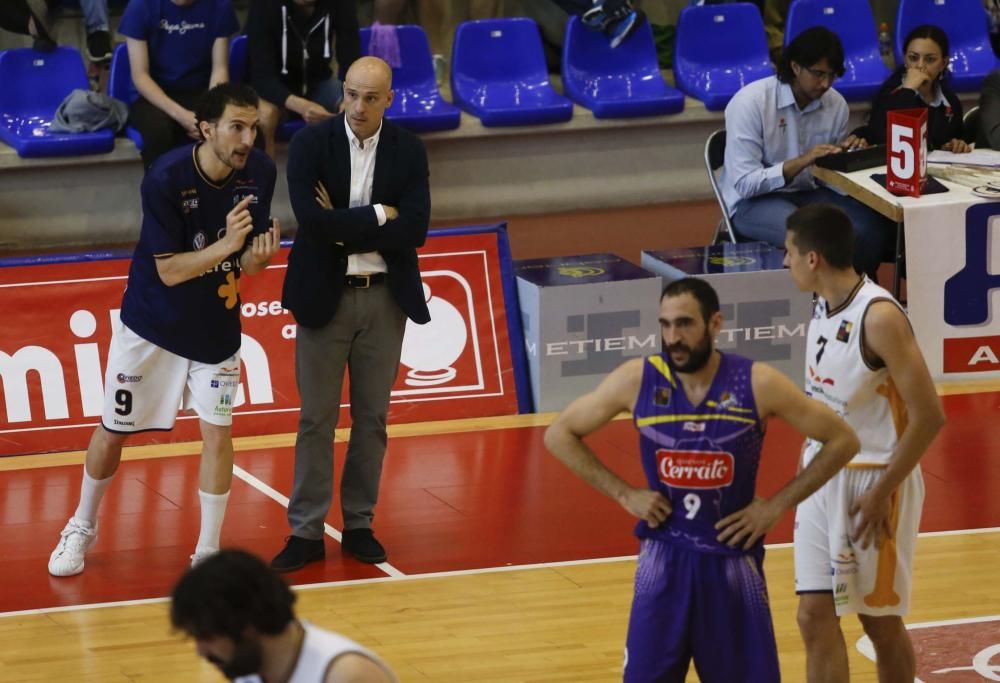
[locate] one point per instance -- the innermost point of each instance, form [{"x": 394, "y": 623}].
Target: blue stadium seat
[
  {"x": 854, "y": 24},
  {"x": 616, "y": 83},
  {"x": 34, "y": 85},
  {"x": 965, "y": 23},
  {"x": 120, "y": 86},
  {"x": 719, "y": 49},
  {"x": 238, "y": 65},
  {"x": 498, "y": 73},
  {"x": 417, "y": 104}
]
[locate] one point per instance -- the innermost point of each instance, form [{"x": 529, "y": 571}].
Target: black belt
[{"x": 364, "y": 281}]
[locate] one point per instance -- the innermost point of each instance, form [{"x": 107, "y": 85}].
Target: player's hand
[
  {"x": 854, "y": 142},
  {"x": 872, "y": 523},
  {"x": 315, "y": 113},
  {"x": 322, "y": 196},
  {"x": 266, "y": 245},
  {"x": 189, "y": 122},
  {"x": 391, "y": 212},
  {"x": 239, "y": 223},
  {"x": 651, "y": 506},
  {"x": 957, "y": 146},
  {"x": 750, "y": 523}
]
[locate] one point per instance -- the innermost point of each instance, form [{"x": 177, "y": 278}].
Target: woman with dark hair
[{"x": 921, "y": 82}]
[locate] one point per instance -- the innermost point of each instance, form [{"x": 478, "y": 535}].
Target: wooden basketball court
[{"x": 502, "y": 566}]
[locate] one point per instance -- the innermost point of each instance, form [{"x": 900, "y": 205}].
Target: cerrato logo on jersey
[
  {"x": 199, "y": 240},
  {"x": 127, "y": 379},
  {"x": 695, "y": 469}
]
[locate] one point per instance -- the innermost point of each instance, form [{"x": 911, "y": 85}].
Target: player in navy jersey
[
  {"x": 701, "y": 414},
  {"x": 206, "y": 219}
]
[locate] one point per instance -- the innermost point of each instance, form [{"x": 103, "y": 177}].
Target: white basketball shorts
[
  {"x": 145, "y": 385},
  {"x": 872, "y": 581}
]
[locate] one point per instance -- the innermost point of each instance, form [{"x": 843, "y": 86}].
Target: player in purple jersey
[
  {"x": 701, "y": 414},
  {"x": 205, "y": 220}
]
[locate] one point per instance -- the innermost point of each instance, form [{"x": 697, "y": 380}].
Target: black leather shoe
[
  {"x": 297, "y": 553},
  {"x": 361, "y": 544}
]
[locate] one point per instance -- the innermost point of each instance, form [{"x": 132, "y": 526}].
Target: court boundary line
[
  {"x": 430, "y": 575},
  {"x": 282, "y": 499}
]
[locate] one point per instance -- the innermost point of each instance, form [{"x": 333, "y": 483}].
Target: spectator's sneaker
[
  {"x": 44, "y": 44},
  {"x": 623, "y": 29},
  {"x": 99, "y": 47},
  {"x": 76, "y": 538},
  {"x": 595, "y": 18}
]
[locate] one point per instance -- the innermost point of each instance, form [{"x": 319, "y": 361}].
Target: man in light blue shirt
[{"x": 776, "y": 128}]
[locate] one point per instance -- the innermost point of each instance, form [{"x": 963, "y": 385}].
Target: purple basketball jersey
[
  {"x": 696, "y": 598},
  {"x": 702, "y": 458}
]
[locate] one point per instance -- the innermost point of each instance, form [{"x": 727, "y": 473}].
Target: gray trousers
[{"x": 365, "y": 336}]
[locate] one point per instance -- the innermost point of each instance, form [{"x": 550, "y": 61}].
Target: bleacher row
[{"x": 498, "y": 70}]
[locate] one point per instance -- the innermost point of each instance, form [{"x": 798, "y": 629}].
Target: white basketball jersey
[
  {"x": 838, "y": 374},
  {"x": 319, "y": 649}
]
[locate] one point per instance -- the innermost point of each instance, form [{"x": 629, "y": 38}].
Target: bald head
[
  {"x": 367, "y": 94},
  {"x": 371, "y": 70}
]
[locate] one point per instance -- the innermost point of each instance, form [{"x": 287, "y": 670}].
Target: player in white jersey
[
  {"x": 240, "y": 614},
  {"x": 855, "y": 537}
]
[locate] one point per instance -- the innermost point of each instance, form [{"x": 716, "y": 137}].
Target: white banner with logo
[{"x": 952, "y": 297}]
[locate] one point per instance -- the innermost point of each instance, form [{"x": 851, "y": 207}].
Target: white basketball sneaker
[
  {"x": 200, "y": 556},
  {"x": 76, "y": 538}
]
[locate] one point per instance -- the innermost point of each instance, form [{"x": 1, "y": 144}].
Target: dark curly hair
[{"x": 226, "y": 593}]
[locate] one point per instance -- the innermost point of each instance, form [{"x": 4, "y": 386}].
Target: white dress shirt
[
  {"x": 765, "y": 128},
  {"x": 362, "y": 174}
]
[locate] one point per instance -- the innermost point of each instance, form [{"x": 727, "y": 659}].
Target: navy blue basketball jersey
[
  {"x": 183, "y": 211},
  {"x": 703, "y": 458}
]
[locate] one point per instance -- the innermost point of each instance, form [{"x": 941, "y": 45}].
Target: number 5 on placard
[
  {"x": 906, "y": 131},
  {"x": 901, "y": 152}
]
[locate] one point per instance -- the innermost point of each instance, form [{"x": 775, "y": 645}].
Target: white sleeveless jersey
[
  {"x": 838, "y": 374},
  {"x": 319, "y": 649}
]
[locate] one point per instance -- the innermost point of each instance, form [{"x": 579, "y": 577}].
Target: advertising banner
[{"x": 59, "y": 313}]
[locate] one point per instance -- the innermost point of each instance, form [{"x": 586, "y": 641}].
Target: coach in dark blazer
[{"x": 359, "y": 189}]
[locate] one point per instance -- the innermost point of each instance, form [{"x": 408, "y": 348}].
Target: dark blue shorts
[{"x": 702, "y": 606}]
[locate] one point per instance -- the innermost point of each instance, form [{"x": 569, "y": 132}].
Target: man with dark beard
[
  {"x": 206, "y": 223},
  {"x": 701, "y": 416},
  {"x": 240, "y": 614}
]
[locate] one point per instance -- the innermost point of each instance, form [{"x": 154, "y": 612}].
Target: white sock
[
  {"x": 91, "y": 492},
  {"x": 213, "y": 510}
]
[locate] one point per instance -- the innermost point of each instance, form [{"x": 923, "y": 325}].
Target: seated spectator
[
  {"x": 288, "y": 46},
  {"x": 921, "y": 83},
  {"x": 776, "y": 128},
  {"x": 241, "y": 616},
  {"x": 97, "y": 24},
  {"x": 177, "y": 50},
  {"x": 988, "y": 135},
  {"x": 16, "y": 16}
]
